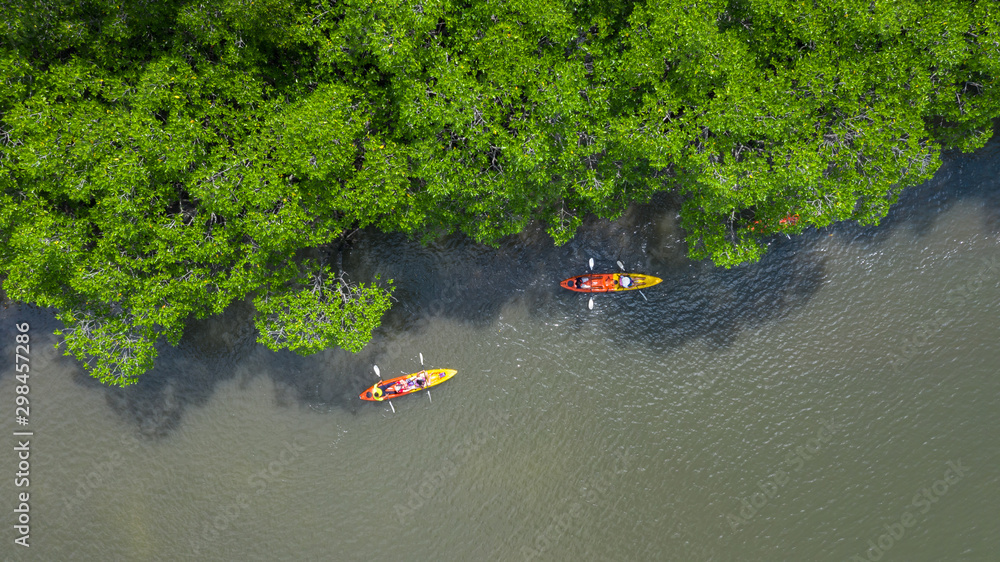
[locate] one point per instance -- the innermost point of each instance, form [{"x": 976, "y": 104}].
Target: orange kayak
[
  {"x": 609, "y": 282},
  {"x": 406, "y": 384}
]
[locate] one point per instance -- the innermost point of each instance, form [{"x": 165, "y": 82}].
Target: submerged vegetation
[{"x": 161, "y": 159}]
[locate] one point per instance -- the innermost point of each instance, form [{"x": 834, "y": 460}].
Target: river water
[{"x": 839, "y": 399}]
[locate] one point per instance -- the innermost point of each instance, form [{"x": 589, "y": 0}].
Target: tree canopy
[{"x": 161, "y": 159}]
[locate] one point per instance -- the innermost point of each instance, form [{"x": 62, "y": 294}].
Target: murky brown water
[{"x": 814, "y": 406}]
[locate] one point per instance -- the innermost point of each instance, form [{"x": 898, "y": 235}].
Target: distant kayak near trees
[{"x": 160, "y": 161}]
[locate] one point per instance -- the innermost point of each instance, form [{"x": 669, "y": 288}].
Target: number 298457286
[{"x": 22, "y": 410}]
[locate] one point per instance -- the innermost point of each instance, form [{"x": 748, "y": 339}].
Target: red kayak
[{"x": 609, "y": 282}]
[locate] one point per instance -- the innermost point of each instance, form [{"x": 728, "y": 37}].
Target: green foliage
[
  {"x": 160, "y": 160},
  {"x": 821, "y": 109},
  {"x": 324, "y": 311}
]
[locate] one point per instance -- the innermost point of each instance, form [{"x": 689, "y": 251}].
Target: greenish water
[{"x": 794, "y": 409}]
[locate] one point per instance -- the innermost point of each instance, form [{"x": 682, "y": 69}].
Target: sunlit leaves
[
  {"x": 318, "y": 312},
  {"x": 821, "y": 109},
  {"x": 160, "y": 160}
]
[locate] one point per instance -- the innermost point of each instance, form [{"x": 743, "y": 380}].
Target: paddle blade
[
  {"x": 393, "y": 407},
  {"x": 421, "y": 359},
  {"x": 621, "y": 265},
  {"x": 590, "y": 304},
  {"x": 378, "y": 373},
  {"x": 591, "y": 263}
]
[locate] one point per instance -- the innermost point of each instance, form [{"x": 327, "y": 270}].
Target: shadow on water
[
  {"x": 962, "y": 178},
  {"x": 456, "y": 279},
  {"x": 39, "y": 321},
  {"x": 466, "y": 282},
  {"x": 714, "y": 304},
  {"x": 186, "y": 375}
]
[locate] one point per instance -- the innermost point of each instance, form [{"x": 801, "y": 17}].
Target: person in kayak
[
  {"x": 413, "y": 383},
  {"x": 377, "y": 393},
  {"x": 625, "y": 281},
  {"x": 583, "y": 282}
]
